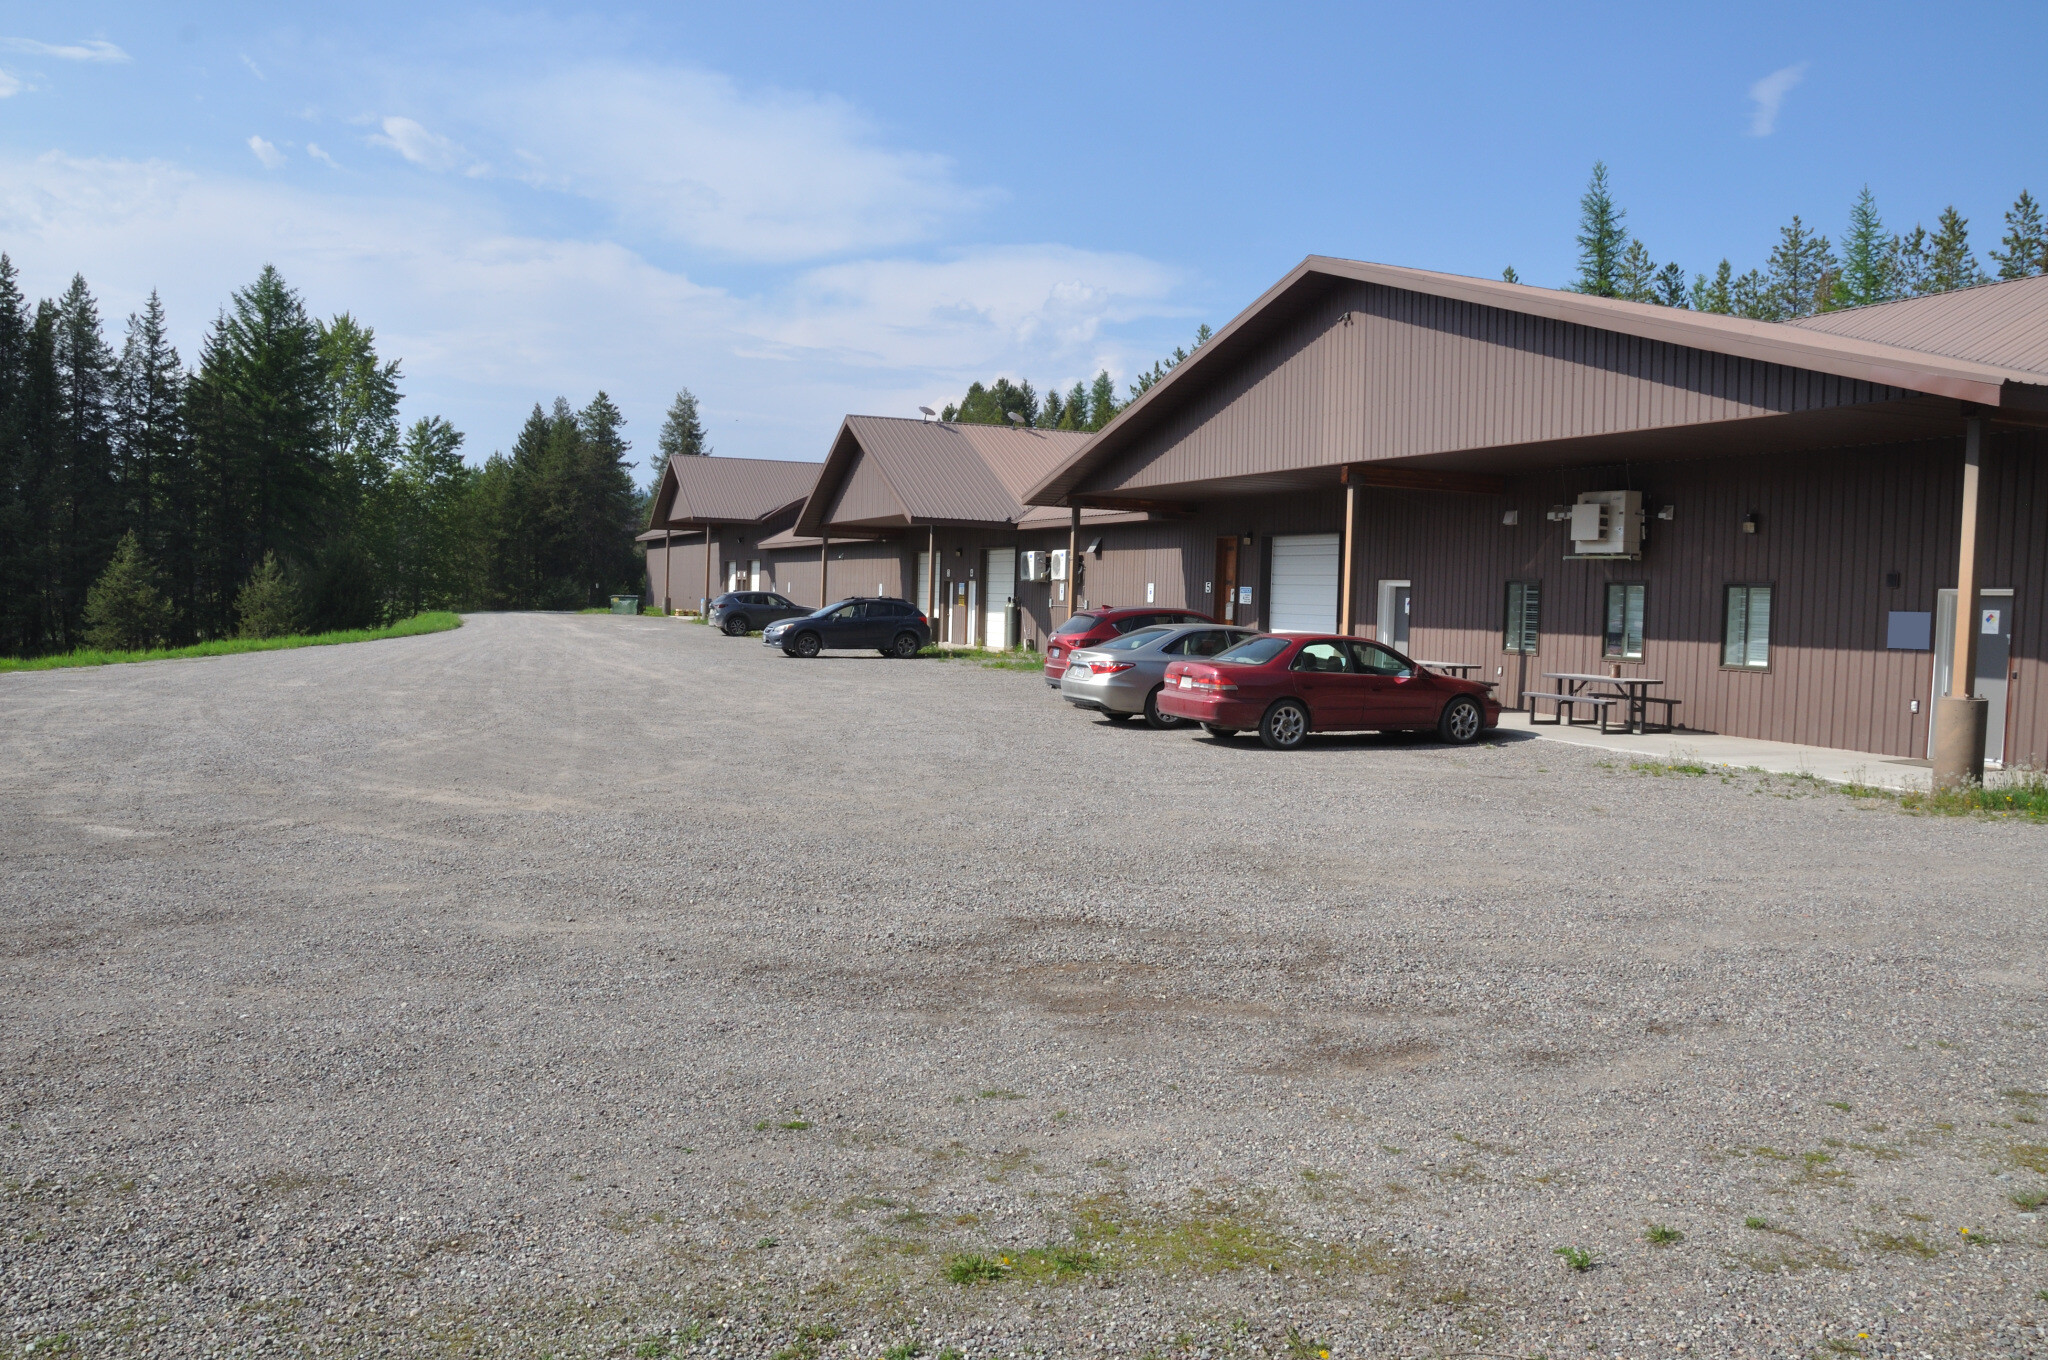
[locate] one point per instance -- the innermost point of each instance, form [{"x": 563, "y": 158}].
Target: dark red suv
[{"x": 1092, "y": 626}]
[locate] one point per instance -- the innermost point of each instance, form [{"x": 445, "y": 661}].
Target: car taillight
[
  {"x": 1109, "y": 667},
  {"x": 1209, "y": 681}
]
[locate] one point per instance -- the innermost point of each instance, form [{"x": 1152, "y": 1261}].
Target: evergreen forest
[{"x": 269, "y": 488}]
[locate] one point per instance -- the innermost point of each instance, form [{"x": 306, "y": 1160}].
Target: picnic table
[
  {"x": 1462, "y": 669},
  {"x": 1630, "y": 693}
]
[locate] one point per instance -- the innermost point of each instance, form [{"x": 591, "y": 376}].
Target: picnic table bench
[
  {"x": 1568, "y": 706},
  {"x": 1630, "y": 693}
]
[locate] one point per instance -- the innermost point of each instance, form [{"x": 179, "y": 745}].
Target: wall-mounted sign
[
  {"x": 1991, "y": 622},
  {"x": 1244, "y": 594}
]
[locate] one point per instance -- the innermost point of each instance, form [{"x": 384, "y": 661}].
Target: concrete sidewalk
[{"x": 1778, "y": 757}]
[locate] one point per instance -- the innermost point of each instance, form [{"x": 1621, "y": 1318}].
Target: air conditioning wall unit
[
  {"x": 1034, "y": 566},
  {"x": 1056, "y": 565},
  {"x": 1607, "y": 524}
]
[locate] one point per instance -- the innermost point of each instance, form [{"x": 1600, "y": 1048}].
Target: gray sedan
[{"x": 1120, "y": 678}]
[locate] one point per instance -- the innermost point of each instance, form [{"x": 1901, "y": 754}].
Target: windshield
[
  {"x": 1130, "y": 642},
  {"x": 1080, "y": 623},
  {"x": 1257, "y": 652}
]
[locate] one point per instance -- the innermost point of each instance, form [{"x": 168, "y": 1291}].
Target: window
[
  {"x": 1131, "y": 642},
  {"x": 1747, "y": 639},
  {"x": 1331, "y": 657},
  {"x": 1256, "y": 652},
  {"x": 1624, "y": 638},
  {"x": 1374, "y": 660},
  {"x": 1206, "y": 643},
  {"x": 1518, "y": 634},
  {"x": 1080, "y": 623},
  {"x": 844, "y": 612},
  {"x": 1135, "y": 621}
]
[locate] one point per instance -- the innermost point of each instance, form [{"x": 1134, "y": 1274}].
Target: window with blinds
[
  {"x": 1746, "y": 641},
  {"x": 1518, "y": 634},
  {"x": 1624, "y": 636}
]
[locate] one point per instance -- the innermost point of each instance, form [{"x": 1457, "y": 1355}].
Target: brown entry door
[{"x": 1224, "y": 601}]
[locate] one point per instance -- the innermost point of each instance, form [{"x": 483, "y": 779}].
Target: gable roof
[
  {"x": 1994, "y": 323},
  {"x": 1797, "y": 348},
  {"x": 904, "y": 472},
  {"x": 714, "y": 490}
]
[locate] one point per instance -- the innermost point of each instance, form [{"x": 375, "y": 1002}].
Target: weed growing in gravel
[
  {"x": 2030, "y": 1200},
  {"x": 795, "y": 1125},
  {"x": 1576, "y": 1257},
  {"x": 1755, "y": 1224},
  {"x": 1900, "y": 1243},
  {"x": 2029, "y": 1157},
  {"x": 1657, "y": 769},
  {"x": 1841, "y": 1105},
  {"x": 1497, "y": 1149},
  {"x": 976, "y": 1269},
  {"x": 1658, "y": 1235},
  {"x": 904, "y": 1350},
  {"x": 1303, "y": 1349},
  {"x": 998, "y": 1095}
]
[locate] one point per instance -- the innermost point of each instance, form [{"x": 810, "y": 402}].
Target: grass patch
[
  {"x": 999, "y": 1095},
  {"x": 435, "y": 622},
  {"x": 1900, "y": 1242},
  {"x": 2029, "y": 1200},
  {"x": 2025, "y": 799},
  {"x": 989, "y": 660},
  {"x": 2029, "y": 1156},
  {"x": 973, "y": 1268},
  {"x": 1658, "y": 1235},
  {"x": 1658, "y": 769},
  {"x": 1577, "y": 1258},
  {"x": 1755, "y": 1224}
]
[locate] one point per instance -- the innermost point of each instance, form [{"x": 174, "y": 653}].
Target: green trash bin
[{"x": 625, "y": 604}]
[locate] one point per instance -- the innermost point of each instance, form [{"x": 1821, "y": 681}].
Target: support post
[
  {"x": 824, "y": 571},
  {"x": 1073, "y": 554},
  {"x": 668, "y": 557},
  {"x": 704, "y": 605},
  {"x": 1347, "y": 607},
  {"x": 931, "y": 575},
  {"x": 1959, "y": 715}
]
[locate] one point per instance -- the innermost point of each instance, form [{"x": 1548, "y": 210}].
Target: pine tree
[
  {"x": 1074, "y": 415},
  {"x": 1801, "y": 270},
  {"x": 153, "y": 454},
  {"x": 682, "y": 436},
  {"x": 1752, "y": 296},
  {"x": 1669, "y": 290},
  {"x": 1602, "y": 241},
  {"x": 1866, "y": 277},
  {"x": 603, "y": 523},
  {"x": 268, "y": 605},
  {"x": 88, "y": 523},
  {"x": 429, "y": 482},
  {"x": 1913, "y": 263},
  {"x": 19, "y": 614},
  {"x": 124, "y": 611},
  {"x": 1712, "y": 295},
  {"x": 1635, "y": 279},
  {"x": 1509, "y": 275},
  {"x": 1951, "y": 263},
  {"x": 1102, "y": 402},
  {"x": 2025, "y": 241}
]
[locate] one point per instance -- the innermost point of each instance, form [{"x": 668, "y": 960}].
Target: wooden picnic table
[
  {"x": 1462, "y": 669},
  {"x": 1634, "y": 690}
]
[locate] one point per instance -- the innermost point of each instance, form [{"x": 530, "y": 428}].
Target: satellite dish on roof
[
  {"x": 1013, "y": 417},
  {"x": 928, "y": 411}
]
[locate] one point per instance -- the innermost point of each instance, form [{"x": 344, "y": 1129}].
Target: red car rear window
[{"x": 1080, "y": 623}]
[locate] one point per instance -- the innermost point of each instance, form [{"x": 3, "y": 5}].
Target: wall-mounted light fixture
[
  {"x": 1510, "y": 517},
  {"x": 1891, "y": 580},
  {"x": 1749, "y": 523},
  {"x": 1558, "y": 513},
  {"x": 1247, "y": 540},
  {"x": 1095, "y": 548},
  {"x": 1667, "y": 512}
]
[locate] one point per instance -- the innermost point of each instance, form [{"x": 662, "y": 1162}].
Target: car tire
[
  {"x": 905, "y": 647},
  {"x": 807, "y": 644},
  {"x": 1216, "y": 731},
  {"x": 1462, "y": 722},
  {"x": 1285, "y": 726},
  {"x": 1154, "y": 718},
  {"x": 736, "y": 626}
]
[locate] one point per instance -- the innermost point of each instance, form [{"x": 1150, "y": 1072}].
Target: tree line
[
  {"x": 1085, "y": 406},
  {"x": 271, "y": 488},
  {"x": 1805, "y": 273}
]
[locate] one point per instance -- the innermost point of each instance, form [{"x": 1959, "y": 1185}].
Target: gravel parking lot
[{"x": 592, "y": 985}]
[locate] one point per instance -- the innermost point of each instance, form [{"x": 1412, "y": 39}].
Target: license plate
[{"x": 1185, "y": 683}]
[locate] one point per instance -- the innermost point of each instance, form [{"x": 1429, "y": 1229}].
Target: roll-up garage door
[
  {"x": 1304, "y": 592},
  {"x": 1001, "y": 583}
]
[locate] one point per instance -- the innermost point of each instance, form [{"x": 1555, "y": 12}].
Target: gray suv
[
  {"x": 892, "y": 627},
  {"x": 740, "y": 612}
]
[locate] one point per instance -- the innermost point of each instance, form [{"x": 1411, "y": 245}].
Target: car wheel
[
  {"x": 807, "y": 644},
  {"x": 736, "y": 626},
  {"x": 906, "y": 646},
  {"x": 1285, "y": 725},
  {"x": 1153, "y": 717},
  {"x": 1461, "y": 723},
  {"x": 1215, "y": 731}
]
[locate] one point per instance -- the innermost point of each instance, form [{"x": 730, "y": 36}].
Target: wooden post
[
  {"x": 1347, "y": 610},
  {"x": 668, "y": 557},
  {"x": 931, "y": 575},
  {"x": 704, "y": 605},
  {"x": 1959, "y": 716},
  {"x": 824, "y": 571},
  {"x": 1073, "y": 554}
]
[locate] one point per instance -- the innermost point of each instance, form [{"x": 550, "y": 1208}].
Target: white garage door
[
  {"x": 1304, "y": 593},
  {"x": 1001, "y": 586}
]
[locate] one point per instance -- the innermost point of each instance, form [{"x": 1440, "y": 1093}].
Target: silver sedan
[{"x": 1120, "y": 678}]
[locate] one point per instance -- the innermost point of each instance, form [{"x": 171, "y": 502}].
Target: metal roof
[
  {"x": 714, "y": 490},
  {"x": 1995, "y": 323},
  {"x": 932, "y": 472},
  {"x": 1797, "y": 348}
]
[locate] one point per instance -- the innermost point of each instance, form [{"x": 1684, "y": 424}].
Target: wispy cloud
[
  {"x": 758, "y": 174},
  {"x": 1769, "y": 94},
  {"x": 412, "y": 140},
  {"x": 8, "y": 85},
  {"x": 89, "y": 49},
  {"x": 319, "y": 154},
  {"x": 254, "y": 69},
  {"x": 266, "y": 152}
]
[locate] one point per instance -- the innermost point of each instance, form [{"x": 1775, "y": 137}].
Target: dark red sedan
[
  {"x": 1091, "y": 627},
  {"x": 1288, "y": 686}
]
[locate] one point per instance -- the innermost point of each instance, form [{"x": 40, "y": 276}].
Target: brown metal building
[
  {"x": 1409, "y": 455},
  {"x": 931, "y": 490},
  {"x": 707, "y": 527}
]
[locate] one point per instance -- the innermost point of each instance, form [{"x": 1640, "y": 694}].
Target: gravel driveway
[{"x": 508, "y": 991}]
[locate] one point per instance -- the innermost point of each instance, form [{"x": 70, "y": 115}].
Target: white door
[
  {"x": 924, "y": 583},
  {"x": 732, "y": 576},
  {"x": 1000, "y": 586},
  {"x": 1304, "y": 590},
  {"x": 754, "y": 574}
]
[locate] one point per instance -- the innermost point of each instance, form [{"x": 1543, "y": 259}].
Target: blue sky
[{"x": 803, "y": 211}]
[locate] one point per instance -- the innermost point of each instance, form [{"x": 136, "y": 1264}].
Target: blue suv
[{"x": 892, "y": 627}]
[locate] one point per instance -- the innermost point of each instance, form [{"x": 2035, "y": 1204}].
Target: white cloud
[
  {"x": 1769, "y": 94},
  {"x": 91, "y": 49},
  {"x": 412, "y": 141},
  {"x": 266, "y": 152},
  {"x": 488, "y": 318},
  {"x": 254, "y": 69},
  {"x": 315, "y": 150},
  {"x": 764, "y": 175},
  {"x": 9, "y": 86}
]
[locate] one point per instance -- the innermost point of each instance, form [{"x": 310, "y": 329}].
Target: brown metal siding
[
  {"x": 866, "y": 497},
  {"x": 1410, "y": 374}
]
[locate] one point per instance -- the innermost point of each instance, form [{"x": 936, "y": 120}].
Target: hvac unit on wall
[
  {"x": 1606, "y": 524},
  {"x": 1034, "y": 565}
]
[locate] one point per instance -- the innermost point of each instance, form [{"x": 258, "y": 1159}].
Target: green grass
[
  {"x": 1659, "y": 1235},
  {"x": 990, "y": 660},
  {"x": 1576, "y": 1257},
  {"x": 1755, "y": 1224},
  {"x": 433, "y": 622},
  {"x": 976, "y": 1269}
]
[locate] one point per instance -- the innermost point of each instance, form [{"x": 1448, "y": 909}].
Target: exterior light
[
  {"x": 1749, "y": 523},
  {"x": 1511, "y": 517},
  {"x": 1095, "y": 548},
  {"x": 1667, "y": 512}
]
